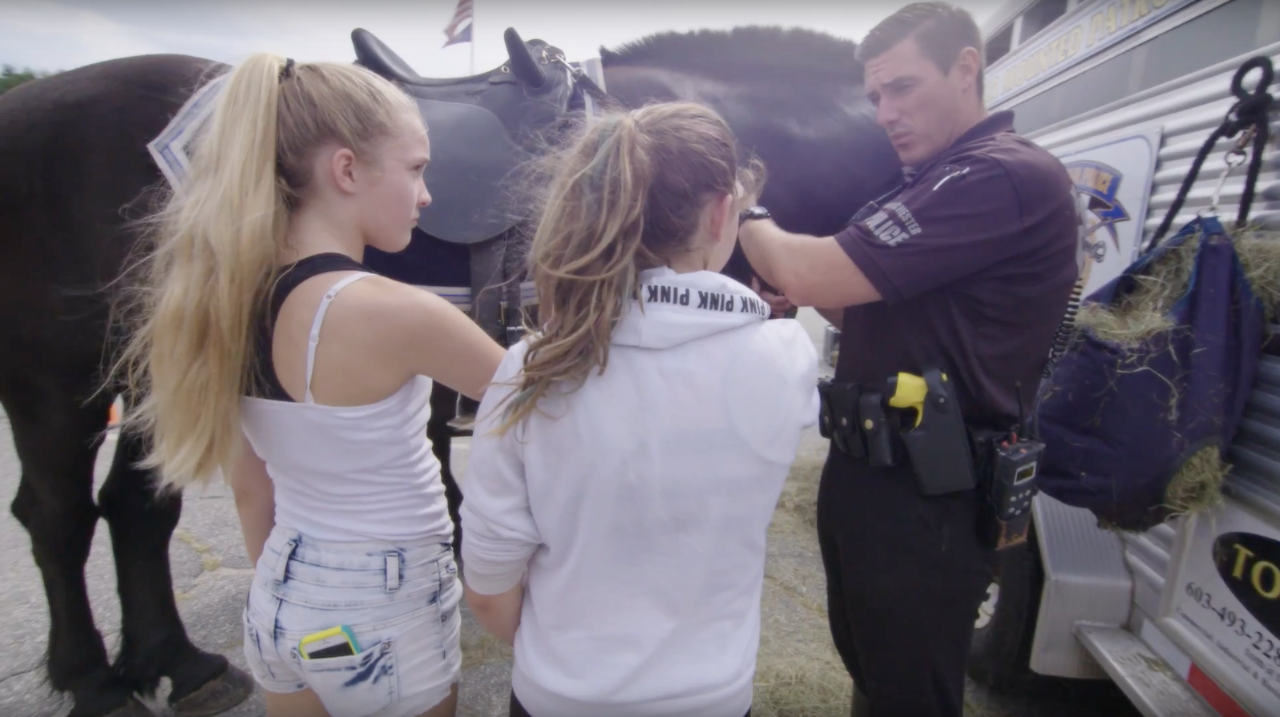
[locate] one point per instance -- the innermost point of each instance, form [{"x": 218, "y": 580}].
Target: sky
[{"x": 50, "y": 35}]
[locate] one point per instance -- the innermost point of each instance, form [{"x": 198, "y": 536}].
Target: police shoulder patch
[{"x": 893, "y": 224}]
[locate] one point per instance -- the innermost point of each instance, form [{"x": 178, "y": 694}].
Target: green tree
[{"x": 11, "y": 77}]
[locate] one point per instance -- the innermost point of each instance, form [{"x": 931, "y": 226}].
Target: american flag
[{"x": 453, "y": 35}]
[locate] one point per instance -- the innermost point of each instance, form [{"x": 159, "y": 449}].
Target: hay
[
  {"x": 480, "y": 648},
  {"x": 1127, "y": 329},
  {"x": 1197, "y": 486},
  {"x": 1260, "y": 255},
  {"x": 1142, "y": 314},
  {"x": 799, "y": 500},
  {"x": 798, "y": 671}
]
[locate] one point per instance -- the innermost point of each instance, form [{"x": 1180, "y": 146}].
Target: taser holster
[{"x": 938, "y": 442}]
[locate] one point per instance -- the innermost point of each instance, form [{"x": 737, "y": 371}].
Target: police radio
[{"x": 1009, "y": 464}]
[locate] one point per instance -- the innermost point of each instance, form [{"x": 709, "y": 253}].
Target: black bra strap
[{"x": 265, "y": 383}]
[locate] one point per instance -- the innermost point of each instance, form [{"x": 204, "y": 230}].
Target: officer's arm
[{"x": 810, "y": 271}]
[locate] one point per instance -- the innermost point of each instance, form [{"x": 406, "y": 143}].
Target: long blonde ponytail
[{"x": 214, "y": 248}]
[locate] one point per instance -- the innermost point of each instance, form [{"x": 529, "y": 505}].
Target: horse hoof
[
  {"x": 216, "y": 696},
  {"x": 132, "y": 708}
]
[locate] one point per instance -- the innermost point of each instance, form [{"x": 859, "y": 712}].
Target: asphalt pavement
[{"x": 211, "y": 576}]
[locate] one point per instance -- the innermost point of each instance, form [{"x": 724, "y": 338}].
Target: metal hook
[{"x": 1235, "y": 157}]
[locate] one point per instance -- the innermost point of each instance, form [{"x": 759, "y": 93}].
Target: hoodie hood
[{"x": 675, "y": 309}]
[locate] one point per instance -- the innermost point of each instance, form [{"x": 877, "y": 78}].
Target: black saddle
[{"x": 483, "y": 128}]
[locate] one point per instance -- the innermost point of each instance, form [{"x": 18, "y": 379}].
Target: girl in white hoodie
[{"x": 630, "y": 452}]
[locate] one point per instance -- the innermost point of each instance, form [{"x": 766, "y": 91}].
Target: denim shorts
[{"x": 399, "y": 599}]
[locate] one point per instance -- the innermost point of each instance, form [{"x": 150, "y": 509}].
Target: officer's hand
[{"x": 779, "y": 303}]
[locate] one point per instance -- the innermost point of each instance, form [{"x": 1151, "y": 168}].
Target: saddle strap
[
  {"x": 486, "y": 277},
  {"x": 460, "y": 296}
]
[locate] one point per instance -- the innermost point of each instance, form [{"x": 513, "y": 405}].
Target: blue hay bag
[{"x": 1120, "y": 420}]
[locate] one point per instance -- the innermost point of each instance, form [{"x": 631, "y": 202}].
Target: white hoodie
[{"x": 639, "y": 505}]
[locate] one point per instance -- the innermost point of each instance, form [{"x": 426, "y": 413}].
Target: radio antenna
[{"x": 1022, "y": 426}]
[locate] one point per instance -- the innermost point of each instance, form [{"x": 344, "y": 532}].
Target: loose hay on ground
[
  {"x": 799, "y": 497},
  {"x": 798, "y": 671},
  {"x": 481, "y": 648}
]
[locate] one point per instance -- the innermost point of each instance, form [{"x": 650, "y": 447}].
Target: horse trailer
[{"x": 1184, "y": 617}]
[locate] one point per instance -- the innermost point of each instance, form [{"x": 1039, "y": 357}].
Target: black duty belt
[
  {"x": 918, "y": 423},
  {"x": 855, "y": 421}
]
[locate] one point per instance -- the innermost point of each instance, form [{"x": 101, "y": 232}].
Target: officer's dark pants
[{"x": 905, "y": 577}]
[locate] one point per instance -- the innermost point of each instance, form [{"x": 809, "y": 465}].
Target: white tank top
[{"x": 351, "y": 473}]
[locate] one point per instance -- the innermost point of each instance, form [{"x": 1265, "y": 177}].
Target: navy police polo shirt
[{"x": 975, "y": 257}]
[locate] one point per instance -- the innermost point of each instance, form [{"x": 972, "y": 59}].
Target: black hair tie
[{"x": 287, "y": 70}]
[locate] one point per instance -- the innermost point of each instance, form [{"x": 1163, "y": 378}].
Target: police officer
[{"x": 968, "y": 267}]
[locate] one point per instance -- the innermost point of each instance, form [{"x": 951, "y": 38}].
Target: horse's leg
[
  {"x": 57, "y": 439},
  {"x": 155, "y": 643},
  {"x": 443, "y": 410}
]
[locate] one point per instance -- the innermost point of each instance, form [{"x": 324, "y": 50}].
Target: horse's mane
[{"x": 742, "y": 53}]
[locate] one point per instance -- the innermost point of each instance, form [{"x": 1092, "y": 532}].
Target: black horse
[
  {"x": 793, "y": 97},
  {"x": 74, "y": 170}
]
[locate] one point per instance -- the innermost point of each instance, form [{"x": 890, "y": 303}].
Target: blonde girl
[
  {"x": 628, "y": 458},
  {"x": 264, "y": 348}
]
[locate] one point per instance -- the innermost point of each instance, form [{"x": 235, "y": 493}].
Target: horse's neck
[{"x": 830, "y": 125}]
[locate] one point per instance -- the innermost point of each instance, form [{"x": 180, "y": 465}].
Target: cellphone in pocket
[{"x": 334, "y": 642}]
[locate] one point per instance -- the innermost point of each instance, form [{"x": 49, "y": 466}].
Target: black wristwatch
[{"x": 756, "y": 212}]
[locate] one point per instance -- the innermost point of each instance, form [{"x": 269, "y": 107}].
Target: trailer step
[
  {"x": 1085, "y": 580},
  {"x": 1147, "y": 681}
]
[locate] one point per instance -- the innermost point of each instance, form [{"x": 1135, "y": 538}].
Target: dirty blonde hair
[
  {"x": 624, "y": 196},
  {"x": 212, "y": 250}
]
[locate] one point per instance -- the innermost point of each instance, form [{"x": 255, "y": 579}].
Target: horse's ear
[{"x": 523, "y": 65}]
